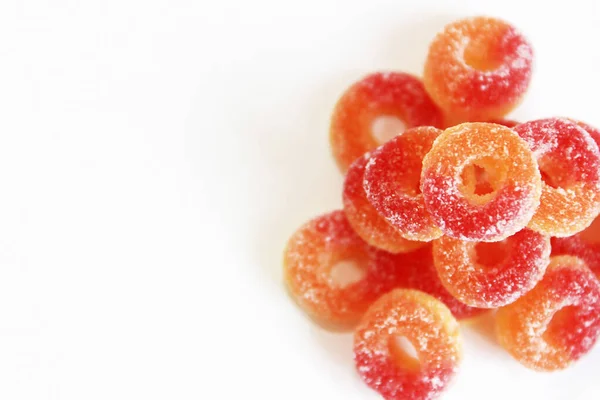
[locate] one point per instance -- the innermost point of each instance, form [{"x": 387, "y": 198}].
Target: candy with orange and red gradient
[
  {"x": 382, "y": 94},
  {"x": 478, "y": 68},
  {"x": 450, "y": 198},
  {"x": 422, "y": 275},
  {"x": 585, "y": 245},
  {"x": 314, "y": 255},
  {"x": 592, "y": 130},
  {"x": 557, "y": 322},
  {"x": 365, "y": 220},
  {"x": 491, "y": 275},
  {"x": 392, "y": 183},
  {"x": 569, "y": 161},
  {"x": 431, "y": 329}
]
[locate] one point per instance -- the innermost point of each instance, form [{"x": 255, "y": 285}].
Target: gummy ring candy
[
  {"x": 428, "y": 325},
  {"x": 392, "y": 179},
  {"x": 509, "y": 123},
  {"x": 389, "y": 94},
  {"x": 593, "y": 131},
  {"x": 478, "y": 68},
  {"x": 570, "y": 164},
  {"x": 423, "y": 276},
  {"x": 475, "y": 177},
  {"x": 365, "y": 220},
  {"x": 453, "y": 121},
  {"x": 490, "y": 275},
  {"x": 557, "y": 322},
  {"x": 325, "y": 248},
  {"x": 585, "y": 245},
  {"x": 455, "y": 207}
]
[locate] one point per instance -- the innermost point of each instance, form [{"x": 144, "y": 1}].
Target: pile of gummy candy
[{"x": 462, "y": 213}]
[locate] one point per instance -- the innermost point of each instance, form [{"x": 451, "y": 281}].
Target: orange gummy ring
[
  {"x": 569, "y": 161},
  {"x": 365, "y": 220},
  {"x": 490, "y": 275},
  {"x": 455, "y": 207},
  {"x": 478, "y": 68},
  {"x": 430, "y": 328},
  {"x": 312, "y": 256},
  {"x": 557, "y": 322},
  {"x": 382, "y": 94},
  {"x": 392, "y": 179}
]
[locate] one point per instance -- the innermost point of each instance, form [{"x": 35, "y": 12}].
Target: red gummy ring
[
  {"x": 495, "y": 274},
  {"x": 557, "y": 322},
  {"x": 455, "y": 207},
  {"x": 365, "y": 220},
  {"x": 392, "y": 179},
  {"x": 429, "y": 327},
  {"x": 312, "y": 255},
  {"x": 478, "y": 68},
  {"x": 570, "y": 163},
  {"x": 382, "y": 94}
]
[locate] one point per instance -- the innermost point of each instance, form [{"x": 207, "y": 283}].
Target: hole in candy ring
[
  {"x": 386, "y": 127},
  {"x": 480, "y": 54},
  {"x": 347, "y": 272},
  {"x": 404, "y": 352},
  {"x": 481, "y": 178},
  {"x": 561, "y": 322},
  {"x": 489, "y": 254}
]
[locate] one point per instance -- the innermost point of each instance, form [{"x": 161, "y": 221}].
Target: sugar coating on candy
[
  {"x": 491, "y": 275},
  {"x": 557, "y": 322},
  {"x": 365, "y": 220},
  {"x": 570, "y": 163},
  {"x": 382, "y": 94},
  {"x": 422, "y": 275},
  {"x": 391, "y": 182},
  {"x": 478, "y": 68},
  {"x": 464, "y": 214},
  {"x": 429, "y": 327},
  {"x": 585, "y": 245},
  {"x": 316, "y": 250},
  {"x": 453, "y": 120},
  {"x": 592, "y": 130}
]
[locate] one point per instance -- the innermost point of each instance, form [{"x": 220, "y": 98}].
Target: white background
[{"x": 154, "y": 157}]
